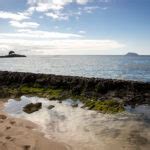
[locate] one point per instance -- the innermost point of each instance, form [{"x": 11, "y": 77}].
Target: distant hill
[{"x": 132, "y": 54}]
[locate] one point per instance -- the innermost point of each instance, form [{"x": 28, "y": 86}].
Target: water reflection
[{"x": 87, "y": 130}]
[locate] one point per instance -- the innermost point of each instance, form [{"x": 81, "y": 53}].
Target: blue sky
[{"x": 75, "y": 26}]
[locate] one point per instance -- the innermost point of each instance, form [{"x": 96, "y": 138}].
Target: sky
[{"x": 75, "y": 27}]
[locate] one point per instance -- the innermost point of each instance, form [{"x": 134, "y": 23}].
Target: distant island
[
  {"x": 12, "y": 54},
  {"x": 132, "y": 54}
]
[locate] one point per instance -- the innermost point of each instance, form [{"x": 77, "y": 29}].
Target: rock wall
[{"x": 130, "y": 91}]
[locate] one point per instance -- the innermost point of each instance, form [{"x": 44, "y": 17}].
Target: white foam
[{"x": 81, "y": 128}]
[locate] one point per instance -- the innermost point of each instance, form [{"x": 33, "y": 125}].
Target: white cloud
[
  {"x": 44, "y": 6},
  {"x": 42, "y": 42},
  {"x": 17, "y": 24},
  {"x": 62, "y": 46},
  {"x": 38, "y": 34},
  {"x": 51, "y": 8},
  {"x": 52, "y": 3},
  {"x": 56, "y": 9},
  {"x": 82, "y": 2},
  {"x": 60, "y": 15},
  {"x": 30, "y": 11},
  {"x": 13, "y": 16},
  {"x": 57, "y": 16}
]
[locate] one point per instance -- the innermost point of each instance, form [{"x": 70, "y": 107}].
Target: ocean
[
  {"x": 77, "y": 127},
  {"x": 114, "y": 67}
]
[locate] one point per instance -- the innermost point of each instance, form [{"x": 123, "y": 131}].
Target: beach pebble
[{"x": 3, "y": 117}]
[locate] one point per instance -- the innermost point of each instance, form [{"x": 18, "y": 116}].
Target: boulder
[
  {"x": 30, "y": 108},
  {"x": 50, "y": 106}
]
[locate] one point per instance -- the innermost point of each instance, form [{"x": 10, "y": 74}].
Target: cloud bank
[{"x": 42, "y": 42}]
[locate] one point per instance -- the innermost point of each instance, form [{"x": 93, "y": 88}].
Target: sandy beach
[{"x": 17, "y": 134}]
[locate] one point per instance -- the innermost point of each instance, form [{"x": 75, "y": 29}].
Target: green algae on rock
[
  {"x": 107, "y": 106},
  {"x": 49, "y": 93}
]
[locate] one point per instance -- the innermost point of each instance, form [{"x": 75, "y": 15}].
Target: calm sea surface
[{"x": 116, "y": 67}]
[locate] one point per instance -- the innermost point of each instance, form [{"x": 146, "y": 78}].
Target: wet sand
[
  {"x": 78, "y": 128},
  {"x": 18, "y": 134}
]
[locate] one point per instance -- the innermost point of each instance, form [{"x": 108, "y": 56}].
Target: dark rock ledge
[{"x": 58, "y": 87}]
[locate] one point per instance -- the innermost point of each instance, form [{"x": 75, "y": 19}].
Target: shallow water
[
  {"x": 117, "y": 67},
  {"x": 83, "y": 129}
]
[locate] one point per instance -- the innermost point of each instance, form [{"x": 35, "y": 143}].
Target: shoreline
[
  {"x": 15, "y": 84},
  {"x": 19, "y": 134}
]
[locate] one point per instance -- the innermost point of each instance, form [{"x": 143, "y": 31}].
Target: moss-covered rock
[
  {"x": 30, "y": 90},
  {"x": 30, "y": 108},
  {"x": 107, "y": 106},
  {"x": 49, "y": 93}
]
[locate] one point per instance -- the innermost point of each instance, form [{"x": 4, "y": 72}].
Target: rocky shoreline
[{"x": 92, "y": 91}]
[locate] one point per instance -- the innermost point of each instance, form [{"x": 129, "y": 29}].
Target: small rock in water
[
  {"x": 50, "y": 106},
  {"x": 30, "y": 108},
  {"x": 74, "y": 105}
]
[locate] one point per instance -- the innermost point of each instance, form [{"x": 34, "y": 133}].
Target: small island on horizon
[
  {"x": 12, "y": 54},
  {"x": 131, "y": 54}
]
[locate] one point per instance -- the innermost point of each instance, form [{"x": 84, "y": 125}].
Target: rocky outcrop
[
  {"x": 12, "y": 54},
  {"x": 30, "y": 108},
  {"x": 132, "y": 92}
]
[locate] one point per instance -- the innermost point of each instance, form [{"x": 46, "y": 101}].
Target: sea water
[
  {"x": 82, "y": 129},
  {"x": 116, "y": 67}
]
